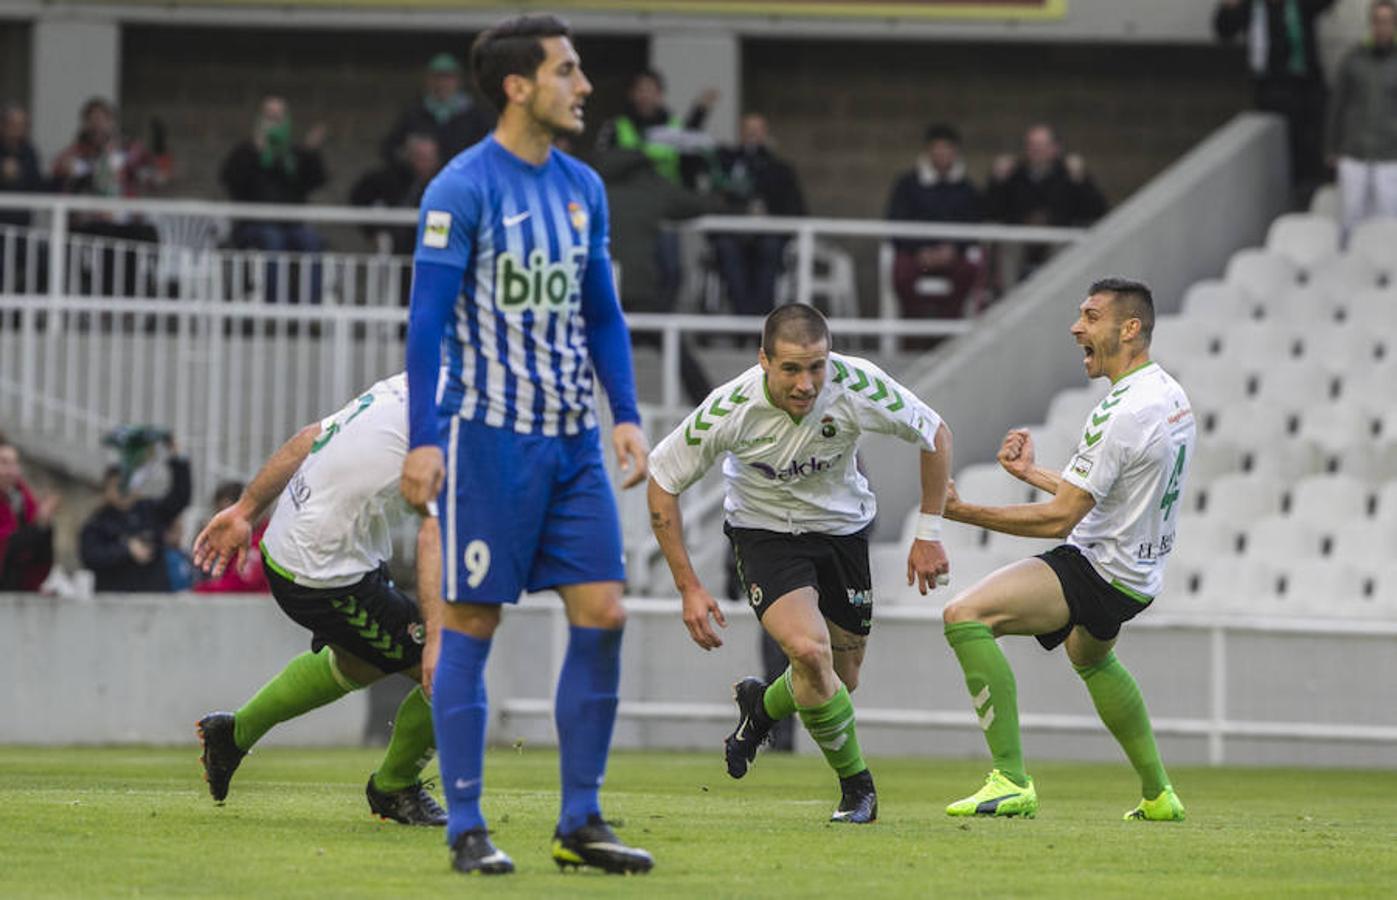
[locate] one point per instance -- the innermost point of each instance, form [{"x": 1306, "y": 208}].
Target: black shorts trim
[
  {"x": 371, "y": 618},
  {"x": 1091, "y": 600},
  {"x": 771, "y": 564}
]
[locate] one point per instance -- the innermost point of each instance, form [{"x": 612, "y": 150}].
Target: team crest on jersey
[
  {"x": 1081, "y": 466},
  {"x": 827, "y": 427},
  {"x": 578, "y": 215}
]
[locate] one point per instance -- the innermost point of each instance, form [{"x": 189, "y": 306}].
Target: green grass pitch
[{"x": 133, "y": 821}]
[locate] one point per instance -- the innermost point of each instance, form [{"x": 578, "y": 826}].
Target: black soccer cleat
[
  {"x": 474, "y": 854},
  {"x": 221, "y": 755},
  {"x": 753, "y": 726},
  {"x": 412, "y": 805},
  {"x": 596, "y": 845},
  {"x": 858, "y": 801}
]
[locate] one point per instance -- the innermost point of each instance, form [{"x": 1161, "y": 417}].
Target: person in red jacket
[
  {"x": 26, "y": 527},
  {"x": 246, "y": 577}
]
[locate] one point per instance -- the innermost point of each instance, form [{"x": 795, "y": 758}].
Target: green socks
[
  {"x": 308, "y": 681},
  {"x": 1121, "y": 707},
  {"x": 411, "y": 746},
  {"x": 992, "y": 690},
  {"x": 831, "y": 724},
  {"x": 779, "y": 699}
]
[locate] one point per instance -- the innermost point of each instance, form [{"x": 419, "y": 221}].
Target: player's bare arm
[
  {"x": 228, "y": 534},
  {"x": 927, "y": 564},
  {"x": 1053, "y": 518},
  {"x": 632, "y": 453},
  {"x": 1016, "y": 456},
  {"x": 667, "y": 523},
  {"x": 424, "y": 471},
  {"x": 429, "y": 596}
]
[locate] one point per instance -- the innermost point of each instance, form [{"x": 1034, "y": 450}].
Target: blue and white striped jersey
[{"x": 515, "y": 347}]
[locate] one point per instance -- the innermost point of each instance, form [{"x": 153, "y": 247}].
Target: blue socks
[
  {"x": 584, "y": 711},
  {"x": 459, "y": 713}
]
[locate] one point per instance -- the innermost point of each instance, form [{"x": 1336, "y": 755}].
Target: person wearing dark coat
[
  {"x": 122, "y": 542},
  {"x": 761, "y": 184},
  {"x": 934, "y": 279},
  {"x": 445, "y": 112},
  {"x": 1287, "y": 76},
  {"x": 26, "y": 527},
  {"x": 640, "y": 199}
]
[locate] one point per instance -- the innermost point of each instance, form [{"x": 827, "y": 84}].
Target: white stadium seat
[
  {"x": 1283, "y": 538},
  {"x": 1387, "y": 503},
  {"x": 1251, "y": 424},
  {"x": 1216, "y": 301},
  {"x": 1375, "y": 242},
  {"x": 1305, "y": 239},
  {"x": 989, "y": 485},
  {"x": 1262, "y": 342},
  {"x": 1339, "y": 347},
  {"x": 1261, "y": 274},
  {"x": 1363, "y": 542},
  {"x": 1325, "y": 202},
  {"x": 1330, "y": 499},
  {"x": 1346, "y": 275},
  {"x": 1212, "y": 459},
  {"x": 1290, "y": 459},
  {"x": 1070, "y": 407},
  {"x": 1319, "y": 587},
  {"x": 1177, "y": 338},
  {"x": 1239, "y": 586},
  {"x": 1242, "y": 498},
  {"x": 1302, "y": 305},
  {"x": 1373, "y": 461},
  {"x": 1336, "y": 425},
  {"x": 1294, "y": 386}
]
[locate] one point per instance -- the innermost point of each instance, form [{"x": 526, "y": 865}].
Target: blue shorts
[{"x": 525, "y": 512}]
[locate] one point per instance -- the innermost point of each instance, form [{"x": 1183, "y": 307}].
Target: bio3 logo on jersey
[
  {"x": 796, "y": 468},
  {"x": 540, "y": 284}
]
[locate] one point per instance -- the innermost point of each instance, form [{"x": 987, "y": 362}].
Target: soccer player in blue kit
[{"x": 513, "y": 305}]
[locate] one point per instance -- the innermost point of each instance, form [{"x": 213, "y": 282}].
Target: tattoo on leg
[{"x": 658, "y": 522}]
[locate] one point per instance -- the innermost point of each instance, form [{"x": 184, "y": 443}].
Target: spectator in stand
[
  {"x": 19, "y": 173},
  {"x": 19, "y": 161},
  {"x": 270, "y": 167},
  {"x": 934, "y": 280},
  {"x": 678, "y": 149},
  {"x": 102, "y": 162},
  {"x": 1287, "y": 76},
  {"x": 26, "y": 526},
  {"x": 1362, "y": 136},
  {"x": 640, "y": 199},
  {"x": 452, "y": 117},
  {"x": 241, "y": 577},
  {"x": 762, "y": 184},
  {"x": 122, "y": 542},
  {"x": 399, "y": 183},
  {"x": 1041, "y": 188}
]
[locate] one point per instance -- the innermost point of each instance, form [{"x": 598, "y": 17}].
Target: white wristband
[{"x": 928, "y": 527}]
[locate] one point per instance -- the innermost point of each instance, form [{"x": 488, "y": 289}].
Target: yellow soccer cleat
[
  {"x": 1164, "y": 808},
  {"x": 999, "y": 797}
]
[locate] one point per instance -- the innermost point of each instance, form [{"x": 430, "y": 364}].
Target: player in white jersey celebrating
[
  {"x": 798, "y": 512},
  {"x": 1117, "y": 505},
  {"x": 325, "y": 553}
]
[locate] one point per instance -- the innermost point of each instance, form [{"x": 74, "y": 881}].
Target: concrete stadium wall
[
  {"x": 1182, "y": 227},
  {"x": 142, "y": 669}
]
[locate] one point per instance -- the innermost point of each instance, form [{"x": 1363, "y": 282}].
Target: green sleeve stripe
[{"x": 1131, "y": 592}]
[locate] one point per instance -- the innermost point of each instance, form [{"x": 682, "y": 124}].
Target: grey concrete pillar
[{"x": 74, "y": 57}]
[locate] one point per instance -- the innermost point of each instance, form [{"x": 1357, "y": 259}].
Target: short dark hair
[
  {"x": 97, "y": 103},
  {"x": 513, "y": 47},
  {"x": 941, "y": 132},
  {"x": 1132, "y": 299},
  {"x": 641, "y": 74},
  {"x": 795, "y": 323},
  {"x": 227, "y": 492},
  {"x": 113, "y": 471}
]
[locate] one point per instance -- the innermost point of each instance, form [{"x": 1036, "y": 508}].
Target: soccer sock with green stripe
[
  {"x": 308, "y": 681},
  {"x": 831, "y": 724},
  {"x": 993, "y": 692},
  {"x": 411, "y": 746},
  {"x": 779, "y": 701},
  {"x": 1121, "y": 706}
]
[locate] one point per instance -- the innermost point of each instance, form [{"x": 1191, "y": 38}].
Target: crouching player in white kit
[
  {"x": 798, "y": 512},
  {"x": 1117, "y": 505},
  {"x": 325, "y": 552}
]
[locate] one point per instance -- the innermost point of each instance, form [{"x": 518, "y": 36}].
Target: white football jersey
[
  {"x": 1133, "y": 458},
  {"x": 334, "y": 522},
  {"x": 793, "y": 476}
]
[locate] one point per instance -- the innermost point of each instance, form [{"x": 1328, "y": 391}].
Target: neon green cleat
[
  {"x": 1164, "y": 808},
  {"x": 999, "y": 797}
]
